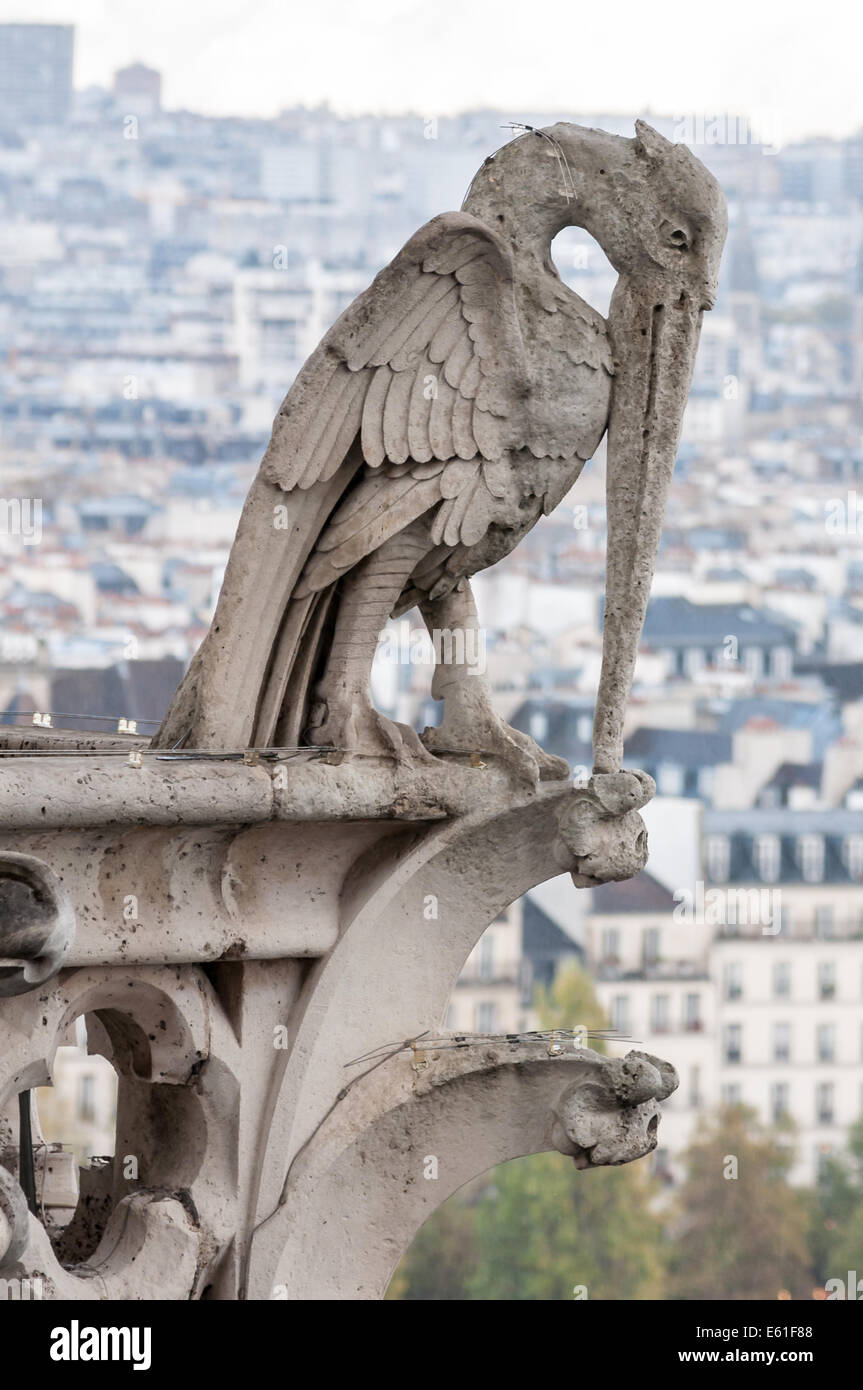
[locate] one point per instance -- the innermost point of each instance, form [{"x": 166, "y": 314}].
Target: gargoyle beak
[{"x": 654, "y": 337}]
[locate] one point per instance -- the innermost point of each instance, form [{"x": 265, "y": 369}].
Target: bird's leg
[
  {"x": 470, "y": 722},
  {"x": 342, "y": 715}
]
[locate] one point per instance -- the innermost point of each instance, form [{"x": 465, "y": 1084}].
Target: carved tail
[{"x": 260, "y": 652}]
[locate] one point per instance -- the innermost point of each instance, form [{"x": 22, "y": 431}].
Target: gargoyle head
[
  {"x": 613, "y": 1118},
  {"x": 601, "y": 836}
]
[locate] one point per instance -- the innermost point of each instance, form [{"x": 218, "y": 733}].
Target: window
[
  {"x": 486, "y": 957},
  {"x": 779, "y": 1100},
  {"x": 731, "y": 1093},
  {"x": 87, "y": 1097},
  {"x": 650, "y": 945},
  {"x": 620, "y": 1013},
  {"x": 694, "y": 1087},
  {"x": 661, "y": 1165},
  {"x": 852, "y": 855},
  {"x": 660, "y": 1013},
  {"x": 734, "y": 980},
  {"x": 825, "y": 923},
  {"x": 782, "y": 979},
  {"x": 611, "y": 945},
  {"x": 823, "y": 1155},
  {"x": 733, "y": 1043},
  {"x": 810, "y": 857},
  {"x": 692, "y": 1012},
  {"x": 486, "y": 1017},
  {"x": 827, "y": 979},
  {"x": 825, "y": 1042},
  {"x": 669, "y": 779},
  {"x": 705, "y": 782},
  {"x": 824, "y": 1102},
  {"x": 538, "y": 725},
  {"x": 782, "y": 1042},
  {"x": 718, "y": 855},
  {"x": 767, "y": 857}
]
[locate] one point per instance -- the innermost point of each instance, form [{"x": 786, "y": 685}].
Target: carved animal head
[
  {"x": 613, "y": 1118},
  {"x": 601, "y": 837},
  {"x": 654, "y": 208}
]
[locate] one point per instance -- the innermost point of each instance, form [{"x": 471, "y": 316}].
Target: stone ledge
[{"x": 63, "y": 790}]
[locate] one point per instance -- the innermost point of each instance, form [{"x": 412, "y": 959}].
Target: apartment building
[
  {"x": 753, "y": 983},
  {"x": 789, "y": 984},
  {"x": 494, "y": 992},
  {"x": 651, "y": 974}
]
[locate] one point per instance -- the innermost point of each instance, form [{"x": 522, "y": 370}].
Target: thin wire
[
  {"x": 459, "y": 1040},
  {"x": 568, "y": 189},
  {"x": 65, "y": 714},
  {"x": 272, "y": 754}
]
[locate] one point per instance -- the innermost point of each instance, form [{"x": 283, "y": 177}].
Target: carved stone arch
[
  {"x": 364, "y": 1185},
  {"x": 392, "y": 970}
]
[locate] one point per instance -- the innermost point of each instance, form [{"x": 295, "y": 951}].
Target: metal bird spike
[
  {"x": 447, "y": 1041},
  {"x": 521, "y": 128}
]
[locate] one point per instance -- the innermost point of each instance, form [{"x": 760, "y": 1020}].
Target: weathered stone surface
[
  {"x": 462, "y": 1109},
  {"x": 37, "y": 923}
]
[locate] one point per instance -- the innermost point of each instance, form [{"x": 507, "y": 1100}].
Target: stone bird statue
[{"x": 451, "y": 405}]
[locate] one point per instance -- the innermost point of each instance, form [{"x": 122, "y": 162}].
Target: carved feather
[{"x": 444, "y": 309}]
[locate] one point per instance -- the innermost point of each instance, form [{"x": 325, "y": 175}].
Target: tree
[
  {"x": 442, "y": 1257},
  {"x": 836, "y": 1227},
  {"x": 571, "y": 1002},
  {"x": 741, "y": 1230},
  {"x": 547, "y": 1232}
]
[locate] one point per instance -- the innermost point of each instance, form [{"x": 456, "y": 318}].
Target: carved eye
[{"x": 676, "y": 236}]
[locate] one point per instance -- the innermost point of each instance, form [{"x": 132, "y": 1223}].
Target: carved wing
[
  {"x": 415, "y": 378},
  {"x": 425, "y": 365}
]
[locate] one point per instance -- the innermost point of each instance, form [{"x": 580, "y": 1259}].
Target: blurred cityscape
[{"x": 163, "y": 275}]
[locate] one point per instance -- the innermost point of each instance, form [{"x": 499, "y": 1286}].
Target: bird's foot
[
  {"x": 351, "y": 724},
  {"x": 485, "y": 732}
]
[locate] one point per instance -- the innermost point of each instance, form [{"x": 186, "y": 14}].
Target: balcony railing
[
  {"x": 611, "y": 968},
  {"x": 511, "y": 972},
  {"x": 843, "y": 930}
]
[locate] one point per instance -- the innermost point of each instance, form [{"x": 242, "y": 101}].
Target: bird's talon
[{"x": 353, "y": 725}]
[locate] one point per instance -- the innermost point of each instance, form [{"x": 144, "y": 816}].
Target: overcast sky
[{"x": 789, "y": 64}]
